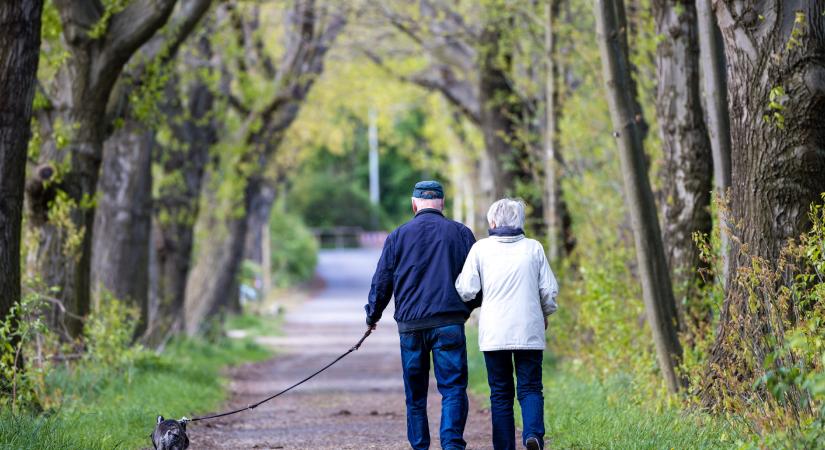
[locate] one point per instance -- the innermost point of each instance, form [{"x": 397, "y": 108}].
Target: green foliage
[
  {"x": 776, "y": 105},
  {"x": 255, "y": 325},
  {"x": 18, "y": 377},
  {"x": 332, "y": 189},
  {"x": 330, "y": 201},
  {"x": 110, "y": 8},
  {"x": 793, "y": 373},
  {"x": 109, "y": 331},
  {"x": 294, "y": 249},
  {"x": 779, "y": 342},
  {"x": 800, "y": 29}
]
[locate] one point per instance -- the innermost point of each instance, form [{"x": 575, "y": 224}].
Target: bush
[
  {"x": 294, "y": 249},
  {"x": 328, "y": 200},
  {"x": 19, "y": 377}
]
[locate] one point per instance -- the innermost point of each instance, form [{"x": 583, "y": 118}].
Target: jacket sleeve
[
  {"x": 548, "y": 287},
  {"x": 468, "y": 283},
  {"x": 382, "y": 284}
]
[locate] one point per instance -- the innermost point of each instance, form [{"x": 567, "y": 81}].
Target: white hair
[
  {"x": 506, "y": 212},
  {"x": 435, "y": 203}
]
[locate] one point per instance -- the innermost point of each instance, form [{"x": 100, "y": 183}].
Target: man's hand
[{"x": 371, "y": 325}]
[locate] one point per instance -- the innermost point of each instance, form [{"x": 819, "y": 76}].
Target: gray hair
[{"x": 506, "y": 212}]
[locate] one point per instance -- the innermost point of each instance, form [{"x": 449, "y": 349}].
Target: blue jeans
[
  {"x": 448, "y": 347},
  {"x": 502, "y": 391}
]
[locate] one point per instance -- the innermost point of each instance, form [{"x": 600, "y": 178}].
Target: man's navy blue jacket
[{"x": 419, "y": 265}]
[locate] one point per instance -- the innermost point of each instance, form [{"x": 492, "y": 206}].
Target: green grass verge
[
  {"x": 583, "y": 413},
  {"x": 256, "y": 325},
  {"x": 106, "y": 408}
]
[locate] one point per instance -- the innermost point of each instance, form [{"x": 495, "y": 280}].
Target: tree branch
[
  {"x": 439, "y": 78},
  {"x": 128, "y": 31}
]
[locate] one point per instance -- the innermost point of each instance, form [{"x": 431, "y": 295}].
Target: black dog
[{"x": 170, "y": 435}]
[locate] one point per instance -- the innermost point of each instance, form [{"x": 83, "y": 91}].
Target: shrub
[
  {"x": 294, "y": 249},
  {"x": 18, "y": 376},
  {"x": 779, "y": 387}
]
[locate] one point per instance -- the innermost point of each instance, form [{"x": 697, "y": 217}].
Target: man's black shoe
[{"x": 533, "y": 443}]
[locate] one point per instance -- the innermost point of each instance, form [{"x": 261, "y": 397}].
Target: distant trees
[
  {"x": 474, "y": 61},
  {"x": 212, "y": 286},
  {"x": 19, "y": 55}
]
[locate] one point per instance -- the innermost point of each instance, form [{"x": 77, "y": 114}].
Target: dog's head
[{"x": 170, "y": 435}]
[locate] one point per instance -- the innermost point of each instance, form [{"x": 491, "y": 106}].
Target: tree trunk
[
  {"x": 687, "y": 152},
  {"x": 120, "y": 254},
  {"x": 211, "y": 289},
  {"x": 63, "y": 214},
  {"x": 19, "y": 56},
  {"x": 83, "y": 85},
  {"x": 776, "y": 53},
  {"x": 556, "y": 215},
  {"x": 712, "y": 58},
  {"x": 656, "y": 288},
  {"x": 500, "y": 112},
  {"x": 177, "y": 204},
  {"x": 258, "y": 218}
]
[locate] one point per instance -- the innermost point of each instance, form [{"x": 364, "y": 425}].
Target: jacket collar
[
  {"x": 506, "y": 231},
  {"x": 429, "y": 211}
]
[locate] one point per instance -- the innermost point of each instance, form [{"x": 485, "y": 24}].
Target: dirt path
[{"x": 357, "y": 404}]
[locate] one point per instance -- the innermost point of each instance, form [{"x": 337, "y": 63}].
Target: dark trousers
[
  {"x": 502, "y": 392},
  {"x": 449, "y": 355}
]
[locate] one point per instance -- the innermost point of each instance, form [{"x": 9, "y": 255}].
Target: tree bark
[
  {"x": 258, "y": 218},
  {"x": 19, "y": 56},
  {"x": 687, "y": 151},
  {"x": 556, "y": 215},
  {"x": 712, "y": 59},
  {"x": 78, "y": 102},
  {"x": 656, "y": 286},
  {"x": 177, "y": 205},
  {"x": 120, "y": 265},
  {"x": 778, "y": 161},
  {"x": 500, "y": 111},
  {"x": 211, "y": 286}
]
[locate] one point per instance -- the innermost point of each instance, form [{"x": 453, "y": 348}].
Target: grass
[
  {"x": 104, "y": 408},
  {"x": 583, "y": 413},
  {"x": 256, "y": 325}
]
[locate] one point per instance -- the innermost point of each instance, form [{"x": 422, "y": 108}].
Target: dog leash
[{"x": 255, "y": 405}]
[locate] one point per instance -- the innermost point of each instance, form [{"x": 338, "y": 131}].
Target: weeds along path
[{"x": 356, "y": 404}]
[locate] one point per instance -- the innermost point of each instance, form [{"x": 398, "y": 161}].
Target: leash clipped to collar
[{"x": 355, "y": 347}]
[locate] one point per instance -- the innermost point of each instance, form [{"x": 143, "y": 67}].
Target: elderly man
[{"x": 419, "y": 264}]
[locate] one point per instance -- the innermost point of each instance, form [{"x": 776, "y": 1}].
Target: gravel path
[{"x": 356, "y": 404}]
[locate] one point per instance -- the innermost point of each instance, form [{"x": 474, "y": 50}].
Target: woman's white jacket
[{"x": 518, "y": 288}]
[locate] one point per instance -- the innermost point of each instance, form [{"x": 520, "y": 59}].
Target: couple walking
[{"x": 438, "y": 272}]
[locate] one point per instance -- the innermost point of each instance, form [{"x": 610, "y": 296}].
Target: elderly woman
[{"x": 519, "y": 293}]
